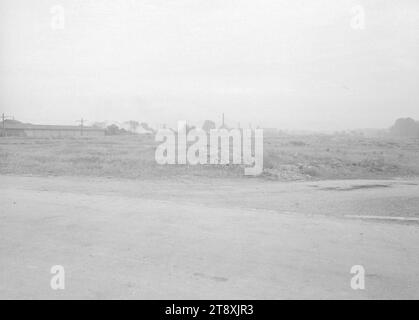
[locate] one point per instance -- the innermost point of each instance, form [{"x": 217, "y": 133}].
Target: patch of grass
[{"x": 285, "y": 158}]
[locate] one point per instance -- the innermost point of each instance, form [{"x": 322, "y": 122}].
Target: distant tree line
[
  {"x": 130, "y": 127},
  {"x": 405, "y": 127},
  {"x": 114, "y": 130}
]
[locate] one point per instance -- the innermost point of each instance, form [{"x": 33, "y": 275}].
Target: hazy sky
[{"x": 294, "y": 64}]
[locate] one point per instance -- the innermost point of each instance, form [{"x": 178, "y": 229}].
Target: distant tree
[
  {"x": 101, "y": 125},
  {"x": 114, "y": 130},
  {"x": 208, "y": 125},
  {"x": 405, "y": 127},
  {"x": 147, "y": 127},
  {"x": 133, "y": 125}
]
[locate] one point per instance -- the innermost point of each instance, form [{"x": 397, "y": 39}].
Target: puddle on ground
[
  {"x": 215, "y": 278},
  {"x": 357, "y": 187}
]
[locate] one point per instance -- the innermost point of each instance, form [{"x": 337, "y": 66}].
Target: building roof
[{"x": 10, "y": 124}]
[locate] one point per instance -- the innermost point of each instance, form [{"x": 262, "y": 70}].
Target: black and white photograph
[{"x": 209, "y": 150}]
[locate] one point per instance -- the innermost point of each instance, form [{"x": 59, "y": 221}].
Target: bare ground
[{"x": 207, "y": 239}]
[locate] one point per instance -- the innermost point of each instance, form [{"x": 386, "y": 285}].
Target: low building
[{"x": 16, "y": 128}]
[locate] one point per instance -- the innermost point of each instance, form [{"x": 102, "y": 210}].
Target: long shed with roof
[{"x": 15, "y": 128}]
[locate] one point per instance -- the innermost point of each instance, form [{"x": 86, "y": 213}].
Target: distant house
[{"x": 16, "y": 128}]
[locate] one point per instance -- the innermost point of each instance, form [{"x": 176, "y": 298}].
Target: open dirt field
[
  {"x": 212, "y": 238},
  {"x": 286, "y": 158}
]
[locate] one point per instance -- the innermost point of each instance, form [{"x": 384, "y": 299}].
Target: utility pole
[
  {"x": 81, "y": 125},
  {"x": 3, "y": 119},
  {"x": 223, "y": 121}
]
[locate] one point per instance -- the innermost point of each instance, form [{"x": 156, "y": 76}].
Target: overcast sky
[{"x": 294, "y": 64}]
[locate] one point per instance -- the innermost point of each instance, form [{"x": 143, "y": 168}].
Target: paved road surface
[{"x": 215, "y": 239}]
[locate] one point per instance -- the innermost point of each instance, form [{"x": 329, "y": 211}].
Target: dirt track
[{"x": 216, "y": 239}]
